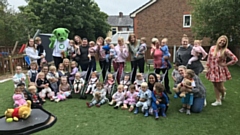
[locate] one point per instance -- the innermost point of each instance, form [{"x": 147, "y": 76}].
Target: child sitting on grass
[
  {"x": 64, "y": 89},
  {"x": 99, "y": 96},
  {"x": 117, "y": 97},
  {"x": 92, "y": 82},
  {"x": 35, "y": 98},
  {"x": 19, "y": 77},
  {"x": 144, "y": 99},
  {"x": 78, "y": 82},
  {"x": 18, "y": 97},
  {"x": 131, "y": 98},
  {"x": 32, "y": 73}
]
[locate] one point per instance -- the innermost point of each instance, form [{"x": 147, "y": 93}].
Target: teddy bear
[
  {"x": 97, "y": 95},
  {"x": 22, "y": 112},
  {"x": 184, "y": 90},
  {"x": 59, "y": 42}
]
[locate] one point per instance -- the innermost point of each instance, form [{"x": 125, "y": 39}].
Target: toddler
[
  {"x": 19, "y": 77},
  {"x": 64, "y": 90},
  {"x": 139, "y": 80},
  {"x": 35, "y": 98},
  {"x": 144, "y": 99},
  {"x": 142, "y": 48},
  {"x": 18, "y": 97},
  {"x": 99, "y": 96},
  {"x": 74, "y": 71},
  {"x": 92, "y": 82},
  {"x": 78, "y": 83},
  {"x": 131, "y": 98},
  {"x": 53, "y": 78},
  {"x": 109, "y": 83},
  {"x": 43, "y": 87},
  {"x": 117, "y": 97},
  {"x": 159, "y": 100},
  {"x": 175, "y": 76},
  {"x": 165, "y": 51},
  {"x": 126, "y": 82},
  {"x": 92, "y": 53},
  {"x": 159, "y": 77},
  {"x": 32, "y": 73},
  {"x": 187, "y": 101},
  {"x": 196, "y": 50},
  {"x": 70, "y": 49},
  {"x": 41, "y": 50},
  {"x": 112, "y": 52},
  {"x": 107, "y": 48},
  {"x": 23, "y": 90}
]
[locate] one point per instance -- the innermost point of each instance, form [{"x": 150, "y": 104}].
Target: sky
[{"x": 111, "y": 7}]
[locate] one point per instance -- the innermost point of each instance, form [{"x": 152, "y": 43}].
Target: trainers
[
  {"x": 115, "y": 107},
  {"x": 222, "y": 98},
  {"x": 205, "y": 103},
  {"x": 182, "y": 110},
  {"x": 98, "y": 105},
  {"x": 88, "y": 104},
  {"x": 188, "y": 112},
  {"x": 217, "y": 103},
  {"x": 57, "y": 100}
]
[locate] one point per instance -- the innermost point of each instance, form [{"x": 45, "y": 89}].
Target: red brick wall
[{"x": 163, "y": 19}]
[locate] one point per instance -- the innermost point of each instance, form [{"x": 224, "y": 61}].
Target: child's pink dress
[
  {"x": 131, "y": 98},
  {"x": 19, "y": 100}
]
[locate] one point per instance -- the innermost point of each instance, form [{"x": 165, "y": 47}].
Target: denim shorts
[{"x": 188, "y": 100}]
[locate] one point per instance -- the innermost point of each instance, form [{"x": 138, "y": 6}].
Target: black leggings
[
  {"x": 57, "y": 61},
  {"x": 137, "y": 63},
  {"x": 104, "y": 67},
  {"x": 166, "y": 79}
]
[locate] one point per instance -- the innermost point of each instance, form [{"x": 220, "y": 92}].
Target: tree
[
  {"x": 81, "y": 17},
  {"x": 213, "y": 18}
]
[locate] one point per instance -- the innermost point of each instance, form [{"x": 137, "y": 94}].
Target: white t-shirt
[
  {"x": 32, "y": 54},
  {"x": 59, "y": 47}
]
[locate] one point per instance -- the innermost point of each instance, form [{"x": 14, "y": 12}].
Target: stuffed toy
[
  {"x": 182, "y": 89},
  {"x": 22, "y": 112},
  {"x": 98, "y": 96},
  {"x": 59, "y": 42}
]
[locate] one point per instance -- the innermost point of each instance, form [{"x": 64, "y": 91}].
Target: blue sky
[{"x": 111, "y": 7}]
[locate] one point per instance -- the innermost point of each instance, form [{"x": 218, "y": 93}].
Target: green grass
[{"x": 75, "y": 118}]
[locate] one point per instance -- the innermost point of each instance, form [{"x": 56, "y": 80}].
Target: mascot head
[{"x": 61, "y": 34}]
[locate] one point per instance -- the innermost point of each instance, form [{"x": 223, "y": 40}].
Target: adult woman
[
  {"x": 159, "y": 65},
  {"x": 133, "y": 46},
  {"x": 31, "y": 51},
  {"x": 183, "y": 55},
  {"x": 78, "y": 40},
  {"x": 218, "y": 71},
  {"x": 122, "y": 54},
  {"x": 104, "y": 65},
  {"x": 199, "y": 92}
]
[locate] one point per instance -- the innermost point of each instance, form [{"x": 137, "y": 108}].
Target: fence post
[
  {"x": 174, "y": 53},
  {"x": 10, "y": 64}
]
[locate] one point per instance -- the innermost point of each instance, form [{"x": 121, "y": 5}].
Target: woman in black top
[{"x": 83, "y": 61}]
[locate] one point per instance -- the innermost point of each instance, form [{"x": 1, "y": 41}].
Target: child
[
  {"x": 107, "y": 48},
  {"x": 92, "y": 82},
  {"x": 67, "y": 68},
  {"x": 19, "y": 77},
  {"x": 78, "y": 82},
  {"x": 23, "y": 90},
  {"x": 18, "y": 97},
  {"x": 74, "y": 71},
  {"x": 64, "y": 88},
  {"x": 142, "y": 47},
  {"x": 41, "y": 50},
  {"x": 53, "y": 78},
  {"x": 165, "y": 51},
  {"x": 131, "y": 98},
  {"x": 70, "y": 49},
  {"x": 43, "y": 87},
  {"x": 109, "y": 83},
  {"x": 139, "y": 80},
  {"x": 61, "y": 71},
  {"x": 99, "y": 96},
  {"x": 92, "y": 53},
  {"x": 188, "y": 100},
  {"x": 32, "y": 73},
  {"x": 112, "y": 52},
  {"x": 35, "y": 98},
  {"x": 144, "y": 99},
  {"x": 175, "y": 77},
  {"x": 159, "y": 100},
  {"x": 126, "y": 82},
  {"x": 159, "y": 77},
  {"x": 117, "y": 97},
  {"x": 196, "y": 50}
]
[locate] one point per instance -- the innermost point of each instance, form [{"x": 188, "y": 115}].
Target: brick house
[
  {"x": 164, "y": 18},
  {"x": 119, "y": 23}
]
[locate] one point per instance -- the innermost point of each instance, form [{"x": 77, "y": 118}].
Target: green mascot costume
[{"x": 59, "y": 43}]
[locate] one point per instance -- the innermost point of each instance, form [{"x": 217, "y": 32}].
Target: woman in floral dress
[{"x": 217, "y": 65}]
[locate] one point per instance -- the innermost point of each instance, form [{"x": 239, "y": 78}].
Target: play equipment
[{"x": 39, "y": 119}]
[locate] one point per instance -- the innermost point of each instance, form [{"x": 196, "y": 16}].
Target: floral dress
[{"x": 217, "y": 73}]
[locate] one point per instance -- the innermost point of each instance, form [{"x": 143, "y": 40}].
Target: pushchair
[
  {"x": 84, "y": 77},
  {"x": 114, "y": 85},
  {"x": 123, "y": 77}
]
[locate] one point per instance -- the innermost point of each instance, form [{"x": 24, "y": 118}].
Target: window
[
  {"x": 124, "y": 29},
  {"x": 187, "y": 21},
  {"x": 114, "y": 31}
]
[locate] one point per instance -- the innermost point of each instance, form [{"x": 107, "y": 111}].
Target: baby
[
  {"x": 92, "y": 50},
  {"x": 126, "y": 82},
  {"x": 117, "y": 97},
  {"x": 19, "y": 77},
  {"x": 109, "y": 83},
  {"x": 92, "y": 82},
  {"x": 113, "y": 54},
  {"x": 144, "y": 99},
  {"x": 142, "y": 47},
  {"x": 139, "y": 80},
  {"x": 78, "y": 83},
  {"x": 18, "y": 97},
  {"x": 196, "y": 50},
  {"x": 131, "y": 98}
]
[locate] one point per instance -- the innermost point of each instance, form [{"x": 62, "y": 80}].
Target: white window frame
[{"x": 187, "y": 26}]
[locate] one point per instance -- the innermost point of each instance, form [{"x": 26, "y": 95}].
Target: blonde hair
[
  {"x": 52, "y": 68},
  {"x": 165, "y": 39},
  {"x": 217, "y": 49},
  {"x": 18, "y": 67},
  {"x": 143, "y": 39},
  {"x": 121, "y": 39},
  {"x": 31, "y": 84},
  {"x": 108, "y": 39},
  {"x": 34, "y": 64},
  {"x": 74, "y": 63},
  {"x": 37, "y": 39},
  {"x": 41, "y": 73},
  {"x": 144, "y": 84},
  {"x": 111, "y": 75},
  {"x": 198, "y": 42},
  {"x": 182, "y": 66},
  {"x": 190, "y": 72},
  {"x": 185, "y": 37},
  {"x": 139, "y": 75},
  {"x": 154, "y": 40},
  {"x": 71, "y": 41},
  {"x": 31, "y": 88},
  {"x": 120, "y": 86}
]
